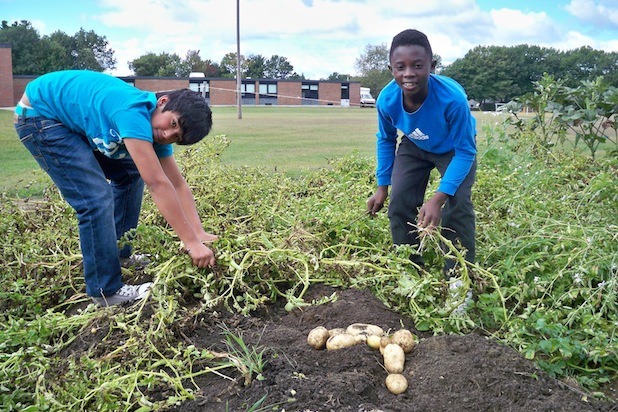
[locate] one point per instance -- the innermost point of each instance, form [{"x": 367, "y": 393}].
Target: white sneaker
[
  {"x": 456, "y": 297},
  {"x": 137, "y": 261},
  {"x": 127, "y": 293}
]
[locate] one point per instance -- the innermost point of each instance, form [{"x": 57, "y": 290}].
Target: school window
[
  {"x": 200, "y": 86},
  {"x": 247, "y": 88},
  {"x": 345, "y": 91},
  {"x": 268, "y": 92},
  {"x": 268, "y": 89},
  {"x": 310, "y": 93},
  {"x": 247, "y": 92}
]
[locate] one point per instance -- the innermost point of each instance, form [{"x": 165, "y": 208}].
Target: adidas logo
[{"x": 418, "y": 135}]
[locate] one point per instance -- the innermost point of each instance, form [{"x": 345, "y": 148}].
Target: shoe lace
[{"x": 128, "y": 290}]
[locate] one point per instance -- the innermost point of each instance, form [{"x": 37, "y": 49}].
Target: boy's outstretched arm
[
  {"x": 171, "y": 170},
  {"x": 168, "y": 201}
]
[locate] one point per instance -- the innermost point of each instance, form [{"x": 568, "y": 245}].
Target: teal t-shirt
[{"x": 101, "y": 107}]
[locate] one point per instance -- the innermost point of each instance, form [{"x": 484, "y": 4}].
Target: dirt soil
[{"x": 445, "y": 373}]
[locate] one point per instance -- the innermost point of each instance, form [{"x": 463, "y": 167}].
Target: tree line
[
  {"x": 500, "y": 73},
  {"x": 488, "y": 73}
]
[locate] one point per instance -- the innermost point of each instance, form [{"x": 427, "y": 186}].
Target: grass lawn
[
  {"x": 286, "y": 139},
  {"x": 294, "y": 140},
  {"x": 19, "y": 168}
]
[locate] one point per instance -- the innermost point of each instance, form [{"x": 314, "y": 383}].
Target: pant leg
[
  {"x": 409, "y": 180},
  {"x": 128, "y": 189},
  {"x": 458, "y": 217},
  {"x": 70, "y": 162}
]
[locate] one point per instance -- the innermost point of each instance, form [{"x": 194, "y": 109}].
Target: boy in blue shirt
[
  {"x": 100, "y": 140},
  {"x": 439, "y": 132}
]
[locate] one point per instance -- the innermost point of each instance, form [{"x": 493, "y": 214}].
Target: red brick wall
[
  {"x": 19, "y": 86},
  {"x": 329, "y": 94},
  {"x": 158, "y": 84},
  {"x": 6, "y": 76},
  {"x": 223, "y": 92},
  {"x": 354, "y": 94},
  {"x": 289, "y": 93}
]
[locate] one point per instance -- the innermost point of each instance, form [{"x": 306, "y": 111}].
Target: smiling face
[
  {"x": 165, "y": 125},
  {"x": 411, "y": 66}
]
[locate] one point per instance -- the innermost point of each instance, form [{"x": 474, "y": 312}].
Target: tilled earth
[{"x": 445, "y": 373}]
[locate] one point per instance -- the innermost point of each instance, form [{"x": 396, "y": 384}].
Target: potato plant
[{"x": 545, "y": 280}]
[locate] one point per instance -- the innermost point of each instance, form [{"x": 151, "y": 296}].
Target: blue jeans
[{"x": 105, "y": 193}]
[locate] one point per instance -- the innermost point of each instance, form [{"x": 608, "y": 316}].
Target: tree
[
  {"x": 586, "y": 63},
  {"x": 334, "y": 76},
  {"x": 372, "y": 67},
  {"x": 256, "y": 64},
  {"x": 25, "y": 46},
  {"x": 191, "y": 63},
  {"x": 504, "y": 73},
  {"x": 82, "y": 51},
  {"x": 56, "y": 56},
  {"x": 162, "y": 64},
  {"x": 494, "y": 73},
  {"x": 194, "y": 63},
  {"x": 374, "y": 59},
  {"x": 32, "y": 54},
  {"x": 228, "y": 65},
  {"x": 211, "y": 69},
  {"x": 91, "y": 51},
  {"x": 278, "y": 67}
]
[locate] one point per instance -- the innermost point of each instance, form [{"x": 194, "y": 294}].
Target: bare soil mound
[{"x": 445, "y": 373}]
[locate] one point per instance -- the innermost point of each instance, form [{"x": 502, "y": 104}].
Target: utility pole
[{"x": 238, "y": 73}]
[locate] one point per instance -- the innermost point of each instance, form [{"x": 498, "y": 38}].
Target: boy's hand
[
  {"x": 376, "y": 202},
  {"x": 429, "y": 214},
  {"x": 201, "y": 255}
]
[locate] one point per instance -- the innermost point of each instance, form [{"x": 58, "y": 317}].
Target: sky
[{"x": 320, "y": 37}]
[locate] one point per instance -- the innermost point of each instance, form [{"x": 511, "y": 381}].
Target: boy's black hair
[
  {"x": 195, "y": 116},
  {"x": 410, "y": 37}
]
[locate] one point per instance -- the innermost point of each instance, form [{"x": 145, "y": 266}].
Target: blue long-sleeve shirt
[{"x": 442, "y": 123}]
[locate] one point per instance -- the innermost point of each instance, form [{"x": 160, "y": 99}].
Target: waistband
[{"x": 26, "y": 111}]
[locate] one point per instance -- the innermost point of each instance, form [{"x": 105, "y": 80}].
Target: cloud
[
  {"x": 600, "y": 14},
  {"x": 511, "y": 27},
  {"x": 320, "y": 37}
]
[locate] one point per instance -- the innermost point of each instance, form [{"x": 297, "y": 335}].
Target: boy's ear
[
  {"x": 162, "y": 101},
  {"x": 433, "y": 65}
]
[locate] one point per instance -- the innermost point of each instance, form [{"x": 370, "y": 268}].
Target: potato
[
  {"x": 394, "y": 358},
  {"x": 317, "y": 337},
  {"x": 396, "y": 383},
  {"x": 360, "y": 338},
  {"x": 405, "y": 339},
  {"x": 341, "y": 341},
  {"x": 364, "y": 329},
  {"x": 384, "y": 340},
  {"x": 335, "y": 331},
  {"x": 373, "y": 341}
]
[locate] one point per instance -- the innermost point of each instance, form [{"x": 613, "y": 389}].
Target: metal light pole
[{"x": 238, "y": 74}]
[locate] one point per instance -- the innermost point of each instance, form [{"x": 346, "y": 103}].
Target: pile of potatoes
[{"x": 392, "y": 347}]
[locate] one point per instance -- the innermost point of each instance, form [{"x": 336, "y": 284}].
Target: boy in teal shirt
[{"x": 100, "y": 140}]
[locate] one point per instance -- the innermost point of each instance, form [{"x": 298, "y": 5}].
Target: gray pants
[{"x": 409, "y": 181}]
